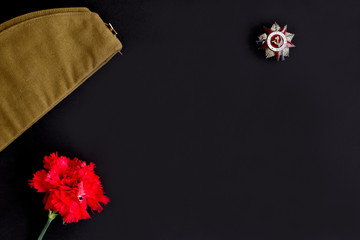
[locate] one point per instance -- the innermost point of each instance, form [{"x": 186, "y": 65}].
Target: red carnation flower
[{"x": 69, "y": 186}]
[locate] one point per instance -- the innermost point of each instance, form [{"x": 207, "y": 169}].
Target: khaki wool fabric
[{"x": 44, "y": 56}]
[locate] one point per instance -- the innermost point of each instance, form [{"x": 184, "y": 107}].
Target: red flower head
[{"x": 69, "y": 187}]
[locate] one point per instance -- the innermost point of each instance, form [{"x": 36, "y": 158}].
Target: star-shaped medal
[{"x": 276, "y": 42}]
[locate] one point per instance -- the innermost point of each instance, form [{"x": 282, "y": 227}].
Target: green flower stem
[{"x": 52, "y": 216}]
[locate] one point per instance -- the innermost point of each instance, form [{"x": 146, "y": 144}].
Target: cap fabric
[{"x": 45, "y": 55}]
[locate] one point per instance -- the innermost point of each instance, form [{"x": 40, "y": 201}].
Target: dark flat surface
[{"x": 196, "y": 136}]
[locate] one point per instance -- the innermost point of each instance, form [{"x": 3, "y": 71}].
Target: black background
[{"x": 196, "y": 135}]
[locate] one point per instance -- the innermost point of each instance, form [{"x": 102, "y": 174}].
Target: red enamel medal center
[{"x": 276, "y": 42}]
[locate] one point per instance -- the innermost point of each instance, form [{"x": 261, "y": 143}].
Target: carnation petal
[{"x": 39, "y": 182}]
